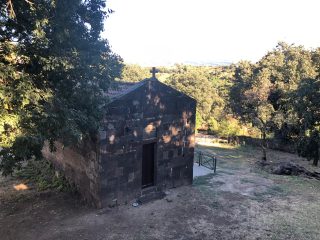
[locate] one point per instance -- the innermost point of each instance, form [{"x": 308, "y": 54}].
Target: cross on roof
[{"x": 154, "y": 71}]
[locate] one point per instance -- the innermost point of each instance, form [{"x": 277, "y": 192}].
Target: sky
[{"x": 165, "y": 32}]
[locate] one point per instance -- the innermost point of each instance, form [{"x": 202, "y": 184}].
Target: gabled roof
[{"x": 122, "y": 88}]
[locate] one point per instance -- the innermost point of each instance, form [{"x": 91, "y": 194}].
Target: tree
[
  {"x": 264, "y": 93},
  {"x": 250, "y": 99},
  {"x": 228, "y": 128},
  {"x": 307, "y": 105},
  {"x": 134, "y": 73},
  {"x": 195, "y": 82},
  {"x": 53, "y": 73},
  {"x": 210, "y": 86},
  {"x": 288, "y": 66}
]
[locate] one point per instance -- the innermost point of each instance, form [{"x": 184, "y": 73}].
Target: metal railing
[{"x": 206, "y": 160}]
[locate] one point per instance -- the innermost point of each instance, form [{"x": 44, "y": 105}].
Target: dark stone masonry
[{"x": 146, "y": 145}]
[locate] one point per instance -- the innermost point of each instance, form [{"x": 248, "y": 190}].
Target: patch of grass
[
  {"x": 292, "y": 184},
  {"x": 284, "y": 228},
  {"x": 272, "y": 191},
  {"x": 43, "y": 175},
  {"x": 246, "y": 180},
  {"x": 276, "y": 190},
  {"x": 299, "y": 185},
  {"x": 287, "y": 207},
  {"x": 224, "y": 171},
  {"x": 247, "y": 148},
  {"x": 203, "y": 180},
  {"x": 301, "y": 222},
  {"x": 233, "y": 167},
  {"x": 219, "y": 183}
]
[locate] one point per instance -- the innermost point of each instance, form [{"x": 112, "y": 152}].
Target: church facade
[{"x": 145, "y": 146}]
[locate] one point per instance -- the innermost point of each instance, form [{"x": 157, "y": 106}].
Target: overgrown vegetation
[
  {"x": 278, "y": 95},
  {"x": 44, "y": 176},
  {"x": 54, "y": 70}
]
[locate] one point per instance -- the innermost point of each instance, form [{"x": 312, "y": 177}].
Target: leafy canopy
[{"x": 54, "y": 70}]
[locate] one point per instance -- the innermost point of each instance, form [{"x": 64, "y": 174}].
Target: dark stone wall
[
  {"x": 80, "y": 165},
  {"x": 156, "y": 113}
]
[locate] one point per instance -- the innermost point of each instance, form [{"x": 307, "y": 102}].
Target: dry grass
[
  {"x": 275, "y": 207},
  {"x": 238, "y": 202}
]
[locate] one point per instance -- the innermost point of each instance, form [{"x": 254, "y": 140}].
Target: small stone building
[{"x": 146, "y": 145}]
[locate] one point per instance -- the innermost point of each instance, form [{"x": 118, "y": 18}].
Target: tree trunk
[
  {"x": 264, "y": 146},
  {"x": 314, "y": 145},
  {"x": 316, "y": 156}
]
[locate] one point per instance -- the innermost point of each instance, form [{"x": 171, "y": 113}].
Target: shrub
[{"x": 44, "y": 176}]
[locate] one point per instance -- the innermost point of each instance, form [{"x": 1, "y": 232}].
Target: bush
[
  {"x": 229, "y": 128},
  {"x": 44, "y": 176}
]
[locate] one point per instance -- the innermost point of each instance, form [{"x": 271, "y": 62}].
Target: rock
[
  {"x": 169, "y": 199},
  {"x": 135, "y": 204}
]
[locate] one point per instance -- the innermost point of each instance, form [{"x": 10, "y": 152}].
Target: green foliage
[
  {"x": 288, "y": 65},
  {"x": 201, "y": 84},
  {"x": 54, "y": 70},
  {"x": 250, "y": 98},
  {"x": 44, "y": 176},
  {"x": 213, "y": 124},
  {"x": 199, "y": 121},
  {"x": 210, "y": 86},
  {"x": 274, "y": 94},
  {"x": 307, "y": 106},
  {"x": 308, "y": 146},
  {"x": 23, "y": 149},
  {"x": 196, "y": 84},
  {"x": 307, "y": 103},
  {"x": 134, "y": 73},
  {"x": 263, "y": 91},
  {"x": 229, "y": 127}
]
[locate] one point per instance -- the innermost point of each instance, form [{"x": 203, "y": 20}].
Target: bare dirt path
[{"x": 239, "y": 202}]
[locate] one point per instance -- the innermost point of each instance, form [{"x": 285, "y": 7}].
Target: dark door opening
[{"x": 148, "y": 151}]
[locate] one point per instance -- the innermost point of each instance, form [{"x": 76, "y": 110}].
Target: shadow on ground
[{"x": 238, "y": 202}]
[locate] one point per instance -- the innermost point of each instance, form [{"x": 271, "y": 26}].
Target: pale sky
[{"x": 164, "y": 32}]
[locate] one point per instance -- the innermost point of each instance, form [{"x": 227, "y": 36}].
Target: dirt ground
[{"x": 238, "y": 202}]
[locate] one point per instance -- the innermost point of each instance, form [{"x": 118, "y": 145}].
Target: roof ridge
[{"x": 123, "y": 88}]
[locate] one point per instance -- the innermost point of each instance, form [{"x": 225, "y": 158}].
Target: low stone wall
[{"x": 80, "y": 167}]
